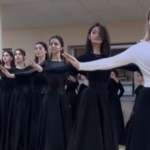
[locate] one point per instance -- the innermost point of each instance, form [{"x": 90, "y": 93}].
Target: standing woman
[
  {"x": 138, "y": 54},
  {"x": 7, "y": 86},
  {"x": 93, "y": 128},
  {"x": 39, "y": 87},
  {"x": 55, "y": 115},
  {"x": 116, "y": 91}
]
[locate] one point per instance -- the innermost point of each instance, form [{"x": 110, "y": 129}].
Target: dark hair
[
  {"x": 60, "y": 39},
  {"x": 46, "y": 49},
  {"x": 105, "y": 47},
  {"x": 12, "y": 63},
  {"x": 22, "y": 52}
]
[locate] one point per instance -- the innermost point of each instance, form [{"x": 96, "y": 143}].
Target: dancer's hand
[
  {"x": 72, "y": 60},
  {"x": 6, "y": 72},
  {"x": 35, "y": 66}
]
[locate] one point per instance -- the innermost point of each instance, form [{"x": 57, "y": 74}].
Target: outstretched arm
[
  {"x": 121, "y": 59},
  {"x": 6, "y": 72},
  {"x": 35, "y": 66}
]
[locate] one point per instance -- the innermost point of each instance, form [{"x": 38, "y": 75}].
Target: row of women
[{"x": 34, "y": 109}]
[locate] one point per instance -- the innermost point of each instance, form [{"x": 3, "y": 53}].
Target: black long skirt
[
  {"x": 54, "y": 126},
  {"x": 36, "y": 105},
  {"x": 118, "y": 118},
  {"x": 18, "y": 131},
  {"x": 93, "y": 128},
  {"x": 139, "y": 138},
  {"x": 5, "y": 102}
]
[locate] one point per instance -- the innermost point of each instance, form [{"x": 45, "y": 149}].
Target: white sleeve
[{"x": 124, "y": 58}]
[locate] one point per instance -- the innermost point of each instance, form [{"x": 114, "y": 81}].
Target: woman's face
[
  {"x": 6, "y": 57},
  {"x": 40, "y": 52},
  {"x": 112, "y": 74},
  {"x": 19, "y": 58},
  {"x": 139, "y": 78},
  {"x": 55, "y": 46},
  {"x": 95, "y": 36}
]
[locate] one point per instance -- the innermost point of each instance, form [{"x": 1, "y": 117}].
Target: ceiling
[{"x": 46, "y": 13}]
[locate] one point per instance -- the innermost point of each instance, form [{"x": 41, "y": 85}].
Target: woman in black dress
[
  {"x": 139, "y": 78},
  {"x": 116, "y": 91},
  {"x": 93, "y": 128},
  {"x": 55, "y": 115},
  {"x": 39, "y": 87},
  {"x": 7, "y": 87}
]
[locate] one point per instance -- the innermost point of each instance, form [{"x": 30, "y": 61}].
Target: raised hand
[
  {"x": 71, "y": 59},
  {"x": 6, "y": 72},
  {"x": 35, "y": 66}
]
